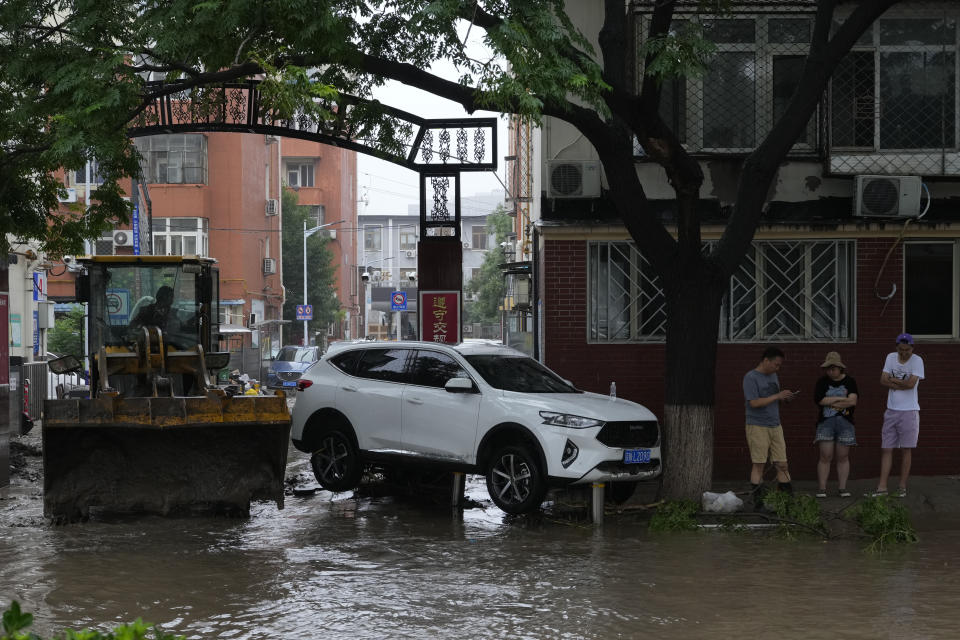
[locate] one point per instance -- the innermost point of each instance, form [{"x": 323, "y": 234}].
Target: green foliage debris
[
  {"x": 886, "y": 521},
  {"x": 796, "y": 510},
  {"x": 15, "y": 623},
  {"x": 675, "y": 515}
]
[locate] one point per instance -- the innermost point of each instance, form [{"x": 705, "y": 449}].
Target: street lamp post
[{"x": 306, "y": 234}]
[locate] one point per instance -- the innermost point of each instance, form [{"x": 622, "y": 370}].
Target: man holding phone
[{"x": 762, "y": 398}]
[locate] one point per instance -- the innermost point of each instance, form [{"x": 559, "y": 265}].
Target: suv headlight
[{"x": 569, "y": 420}]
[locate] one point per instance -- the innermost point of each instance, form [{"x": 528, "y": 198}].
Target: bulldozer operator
[{"x": 156, "y": 313}]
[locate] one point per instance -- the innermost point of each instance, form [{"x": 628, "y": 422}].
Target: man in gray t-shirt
[{"x": 762, "y": 397}]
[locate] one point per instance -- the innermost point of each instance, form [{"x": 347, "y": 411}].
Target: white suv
[{"x": 473, "y": 407}]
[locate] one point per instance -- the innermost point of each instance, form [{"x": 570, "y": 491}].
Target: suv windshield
[
  {"x": 297, "y": 354},
  {"x": 518, "y": 373}
]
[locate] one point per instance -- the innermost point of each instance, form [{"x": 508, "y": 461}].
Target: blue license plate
[
  {"x": 636, "y": 456},
  {"x": 288, "y": 383}
]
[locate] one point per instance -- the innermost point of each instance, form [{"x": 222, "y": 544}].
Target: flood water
[{"x": 338, "y": 566}]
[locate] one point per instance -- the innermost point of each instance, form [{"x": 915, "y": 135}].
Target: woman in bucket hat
[{"x": 836, "y": 397}]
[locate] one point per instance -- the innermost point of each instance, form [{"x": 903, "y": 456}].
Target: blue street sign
[
  {"x": 136, "y": 230},
  {"x": 304, "y": 312},
  {"x": 398, "y": 301}
]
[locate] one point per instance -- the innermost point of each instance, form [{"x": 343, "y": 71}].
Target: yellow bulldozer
[{"x": 156, "y": 434}]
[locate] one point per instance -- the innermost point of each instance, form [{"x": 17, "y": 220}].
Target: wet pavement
[{"x": 406, "y": 566}]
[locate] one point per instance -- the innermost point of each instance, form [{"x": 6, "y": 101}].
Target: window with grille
[
  {"x": 899, "y": 93},
  {"x": 174, "y": 158},
  {"x": 748, "y": 84},
  {"x": 181, "y": 236},
  {"x": 299, "y": 174},
  {"x": 783, "y": 290}
]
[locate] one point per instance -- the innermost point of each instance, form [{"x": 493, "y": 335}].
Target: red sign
[
  {"x": 4, "y": 339},
  {"x": 439, "y": 313}
]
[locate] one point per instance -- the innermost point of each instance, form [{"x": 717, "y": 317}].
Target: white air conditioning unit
[
  {"x": 71, "y": 195},
  {"x": 273, "y": 207},
  {"x": 411, "y": 253},
  {"x": 329, "y": 233},
  {"x": 269, "y": 266},
  {"x": 887, "y": 196},
  {"x": 466, "y": 245},
  {"x": 123, "y": 238},
  {"x": 573, "y": 179}
]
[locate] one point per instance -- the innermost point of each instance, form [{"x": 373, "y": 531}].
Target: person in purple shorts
[{"x": 902, "y": 373}]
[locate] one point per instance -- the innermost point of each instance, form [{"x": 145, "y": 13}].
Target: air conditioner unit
[
  {"x": 273, "y": 207},
  {"x": 887, "y": 196},
  {"x": 329, "y": 233},
  {"x": 466, "y": 245},
  {"x": 269, "y": 266},
  {"x": 573, "y": 179},
  {"x": 411, "y": 253},
  {"x": 123, "y": 238},
  {"x": 71, "y": 195}
]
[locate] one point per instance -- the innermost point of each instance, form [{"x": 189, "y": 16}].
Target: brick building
[
  {"x": 218, "y": 194},
  {"x": 860, "y": 240}
]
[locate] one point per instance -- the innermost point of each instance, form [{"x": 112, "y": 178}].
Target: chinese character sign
[{"x": 439, "y": 316}]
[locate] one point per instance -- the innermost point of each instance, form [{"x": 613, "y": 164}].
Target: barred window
[
  {"x": 783, "y": 290},
  {"x": 748, "y": 84},
  {"x": 174, "y": 158},
  {"x": 893, "y": 99}
]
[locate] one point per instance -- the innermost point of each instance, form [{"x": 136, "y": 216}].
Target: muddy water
[{"x": 336, "y": 566}]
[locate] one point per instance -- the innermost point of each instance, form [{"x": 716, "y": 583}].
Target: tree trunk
[{"x": 693, "y": 312}]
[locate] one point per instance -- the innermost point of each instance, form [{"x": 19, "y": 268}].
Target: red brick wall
[{"x": 638, "y": 369}]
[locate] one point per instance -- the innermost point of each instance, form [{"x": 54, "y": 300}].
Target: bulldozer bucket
[{"x": 170, "y": 455}]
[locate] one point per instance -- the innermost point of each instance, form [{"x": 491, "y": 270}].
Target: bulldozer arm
[{"x": 164, "y": 455}]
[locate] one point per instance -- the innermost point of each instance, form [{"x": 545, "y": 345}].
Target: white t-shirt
[{"x": 903, "y": 399}]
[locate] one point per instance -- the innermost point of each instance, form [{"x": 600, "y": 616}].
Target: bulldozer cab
[
  {"x": 157, "y": 434},
  {"x": 151, "y": 323}
]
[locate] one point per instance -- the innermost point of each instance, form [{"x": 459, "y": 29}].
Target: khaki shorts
[{"x": 766, "y": 443}]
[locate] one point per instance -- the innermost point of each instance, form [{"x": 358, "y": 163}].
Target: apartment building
[{"x": 860, "y": 240}]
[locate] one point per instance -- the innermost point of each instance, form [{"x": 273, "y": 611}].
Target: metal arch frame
[{"x": 236, "y": 107}]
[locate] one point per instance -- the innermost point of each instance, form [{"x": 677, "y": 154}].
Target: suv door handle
[
  {"x": 348, "y": 388},
  {"x": 414, "y": 400}
]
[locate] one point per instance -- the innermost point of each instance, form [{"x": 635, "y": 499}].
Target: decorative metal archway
[{"x": 438, "y": 149}]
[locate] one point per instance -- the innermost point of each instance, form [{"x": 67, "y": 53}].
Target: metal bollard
[
  {"x": 459, "y": 486},
  {"x": 596, "y": 506}
]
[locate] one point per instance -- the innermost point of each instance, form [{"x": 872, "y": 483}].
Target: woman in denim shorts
[{"x": 836, "y": 397}]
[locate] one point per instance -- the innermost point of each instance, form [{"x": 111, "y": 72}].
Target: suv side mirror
[{"x": 459, "y": 385}]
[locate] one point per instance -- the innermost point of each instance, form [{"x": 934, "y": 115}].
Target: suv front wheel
[
  {"x": 336, "y": 464},
  {"x": 515, "y": 481}
]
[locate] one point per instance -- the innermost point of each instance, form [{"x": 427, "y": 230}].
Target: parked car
[
  {"x": 289, "y": 364},
  {"x": 474, "y": 407}
]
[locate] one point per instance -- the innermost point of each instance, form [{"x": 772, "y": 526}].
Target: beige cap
[{"x": 833, "y": 360}]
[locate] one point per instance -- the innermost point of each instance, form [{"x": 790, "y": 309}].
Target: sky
[{"x": 387, "y": 188}]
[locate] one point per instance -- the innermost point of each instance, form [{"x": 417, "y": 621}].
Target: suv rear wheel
[
  {"x": 336, "y": 464},
  {"x": 515, "y": 481}
]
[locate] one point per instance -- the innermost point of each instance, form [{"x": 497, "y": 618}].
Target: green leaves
[
  {"x": 886, "y": 521},
  {"x": 684, "y": 52},
  {"x": 15, "y": 622}
]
